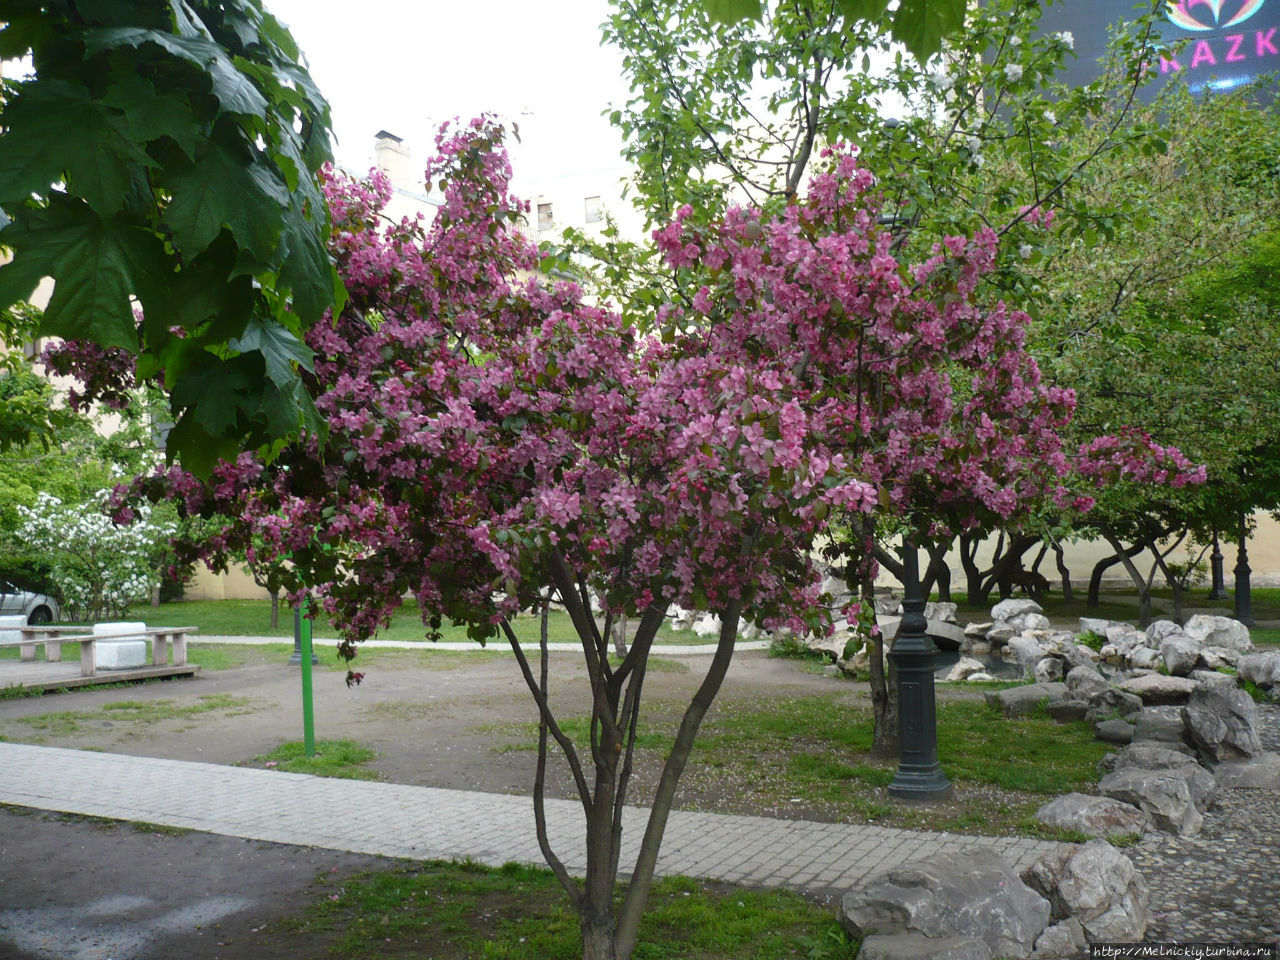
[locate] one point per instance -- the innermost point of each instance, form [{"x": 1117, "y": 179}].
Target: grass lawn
[
  {"x": 453, "y": 911},
  {"x": 344, "y": 759},
  {"x": 814, "y": 751},
  {"x": 252, "y": 618}
]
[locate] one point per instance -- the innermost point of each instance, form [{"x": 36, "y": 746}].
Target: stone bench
[{"x": 111, "y": 646}]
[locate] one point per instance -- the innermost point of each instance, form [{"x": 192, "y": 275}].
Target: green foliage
[
  {"x": 165, "y": 152},
  {"x": 1092, "y": 640},
  {"x": 344, "y": 759},
  {"x": 464, "y": 910}
]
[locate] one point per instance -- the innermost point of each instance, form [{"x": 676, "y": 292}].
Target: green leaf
[
  {"x": 280, "y": 349},
  {"x": 869, "y": 10},
  {"x": 921, "y": 25},
  {"x": 56, "y": 132},
  {"x": 93, "y": 265},
  {"x": 307, "y": 273},
  {"x": 152, "y": 115},
  {"x": 226, "y": 188},
  {"x": 732, "y": 11}
]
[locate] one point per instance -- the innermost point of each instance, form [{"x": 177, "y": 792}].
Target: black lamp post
[
  {"x": 919, "y": 776},
  {"x": 1244, "y": 596},
  {"x": 1219, "y": 589}
]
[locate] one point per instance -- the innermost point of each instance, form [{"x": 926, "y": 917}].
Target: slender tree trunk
[
  {"x": 620, "y": 637},
  {"x": 938, "y": 573},
  {"x": 969, "y": 544},
  {"x": 1101, "y": 567},
  {"x": 275, "y": 609},
  {"x": 1141, "y": 582},
  {"x": 1060, "y": 561}
]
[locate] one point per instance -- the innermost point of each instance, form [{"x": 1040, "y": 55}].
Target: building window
[
  {"x": 594, "y": 209},
  {"x": 545, "y": 218}
]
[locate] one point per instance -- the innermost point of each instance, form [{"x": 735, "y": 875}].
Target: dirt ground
[{"x": 74, "y": 889}]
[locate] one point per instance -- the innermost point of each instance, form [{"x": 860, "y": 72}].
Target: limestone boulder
[
  {"x": 1085, "y": 681},
  {"x": 1001, "y": 633},
  {"x": 979, "y": 678},
  {"x": 1144, "y": 658},
  {"x": 1212, "y": 678},
  {"x": 1061, "y": 941},
  {"x": 1008, "y": 609},
  {"x": 1179, "y": 654},
  {"x": 1094, "y": 816},
  {"x": 973, "y": 894},
  {"x": 942, "y": 610},
  {"x": 1094, "y": 625},
  {"x": 1029, "y": 621},
  {"x": 1155, "y": 725},
  {"x": 1099, "y": 887},
  {"x": 1216, "y": 658},
  {"x": 977, "y": 631},
  {"x": 1223, "y": 723},
  {"x": 1113, "y": 731},
  {"x": 1026, "y": 652},
  {"x": 1159, "y": 630},
  {"x": 964, "y": 668},
  {"x": 1214, "y": 631},
  {"x": 1110, "y": 702},
  {"x": 1020, "y": 701},
  {"x": 1260, "y": 668},
  {"x": 1163, "y": 795},
  {"x": 1257, "y": 773},
  {"x": 1065, "y": 711},
  {"x": 1156, "y": 688},
  {"x": 1146, "y": 755},
  {"x": 1048, "y": 670}
]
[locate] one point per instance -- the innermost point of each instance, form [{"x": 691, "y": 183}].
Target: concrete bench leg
[
  {"x": 179, "y": 649},
  {"x": 88, "y": 658},
  {"x": 28, "y": 651},
  {"x": 53, "y": 650},
  {"x": 160, "y": 650}
]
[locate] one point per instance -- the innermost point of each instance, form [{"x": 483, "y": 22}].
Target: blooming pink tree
[{"x": 495, "y": 443}]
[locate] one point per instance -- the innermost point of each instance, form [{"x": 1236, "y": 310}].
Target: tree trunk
[
  {"x": 969, "y": 562},
  {"x": 275, "y": 609},
  {"x": 1101, "y": 567},
  {"x": 620, "y": 637},
  {"x": 598, "y": 938},
  {"x": 938, "y": 573},
  {"x": 1143, "y": 585},
  {"x": 1060, "y": 561}
]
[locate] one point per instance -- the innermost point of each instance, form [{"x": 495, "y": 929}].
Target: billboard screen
[{"x": 1225, "y": 43}]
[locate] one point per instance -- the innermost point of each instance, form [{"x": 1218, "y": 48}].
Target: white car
[{"x": 36, "y": 607}]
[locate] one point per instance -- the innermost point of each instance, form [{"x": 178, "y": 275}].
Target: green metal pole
[{"x": 308, "y": 711}]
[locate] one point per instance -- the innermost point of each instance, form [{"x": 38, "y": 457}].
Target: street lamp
[
  {"x": 919, "y": 776},
  {"x": 1244, "y": 596},
  {"x": 1219, "y": 589}
]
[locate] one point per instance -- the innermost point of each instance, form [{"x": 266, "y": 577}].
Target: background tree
[{"x": 162, "y": 153}]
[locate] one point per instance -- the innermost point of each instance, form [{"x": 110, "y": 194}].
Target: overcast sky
[{"x": 404, "y": 67}]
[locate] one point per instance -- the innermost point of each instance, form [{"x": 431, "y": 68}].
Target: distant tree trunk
[
  {"x": 1142, "y": 583},
  {"x": 1101, "y": 567},
  {"x": 275, "y": 609},
  {"x": 884, "y": 693},
  {"x": 938, "y": 574},
  {"x": 620, "y": 637},
  {"x": 1060, "y": 561},
  {"x": 969, "y": 544}
]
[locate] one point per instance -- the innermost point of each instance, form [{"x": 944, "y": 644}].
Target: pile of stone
[
  {"x": 973, "y": 906},
  {"x": 1169, "y": 697}
]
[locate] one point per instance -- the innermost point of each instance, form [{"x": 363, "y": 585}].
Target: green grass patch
[
  {"x": 67, "y": 722},
  {"x": 344, "y": 759},
  {"x": 1265, "y": 637},
  {"x": 453, "y": 911}
]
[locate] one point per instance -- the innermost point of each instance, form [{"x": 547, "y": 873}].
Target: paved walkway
[{"x": 425, "y": 823}]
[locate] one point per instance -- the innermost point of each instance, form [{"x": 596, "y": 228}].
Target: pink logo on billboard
[{"x": 1211, "y": 14}]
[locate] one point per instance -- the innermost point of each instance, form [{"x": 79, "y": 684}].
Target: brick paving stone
[{"x": 429, "y": 823}]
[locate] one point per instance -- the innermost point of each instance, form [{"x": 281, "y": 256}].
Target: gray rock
[
  {"x": 1094, "y": 625},
  {"x": 1163, "y": 795},
  {"x": 1095, "y": 816},
  {"x": 1153, "y": 725},
  {"x": 1126, "y": 637},
  {"x": 964, "y": 668},
  {"x": 1061, "y": 941},
  {"x": 1180, "y": 655},
  {"x": 1008, "y": 609},
  {"x": 1000, "y": 634},
  {"x": 1212, "y": 678},
  {"x": 1223, "y": 723},
  {"x": 1214, "y": 631},
  {"x": 1019, "y": 701},
  {"x": 942, "y": 610},
  {"x": 1026, "y": 652},
  {"x": 916, "y": 946},
  {"x": 1260, "y": 668},
  {"x": 1215, "y": 658},
  {"x": 1048, "y": 670},
  {"x": 1160, "y": 630},
  {"x": 888, "y": 606},
  {"x": 1113, "y": 731},
  {"x": 1144, "y": 658},
  {"x": 1085, "y": 680},
  {"x": 974, "y": 894},
  {"x": 1156, "y": 688},
  {"x": 1029, "y": 621},
  {"x": 1076, "y": 655},
  {"x": 977, "y": 648},
  {"x": 1259, "y": 773},
  {"x": 979, "y": 678},
  {"x": 1066, "y": 711},
  {"x": 1099, "y": 887},
  {"x": 1146, "y": 755},
  {"x": 1110, "y": 702},
  {"x": 977, "y": 631}
]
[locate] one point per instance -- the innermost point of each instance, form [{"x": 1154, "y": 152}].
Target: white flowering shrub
[{"x": 101, "y": 566}]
